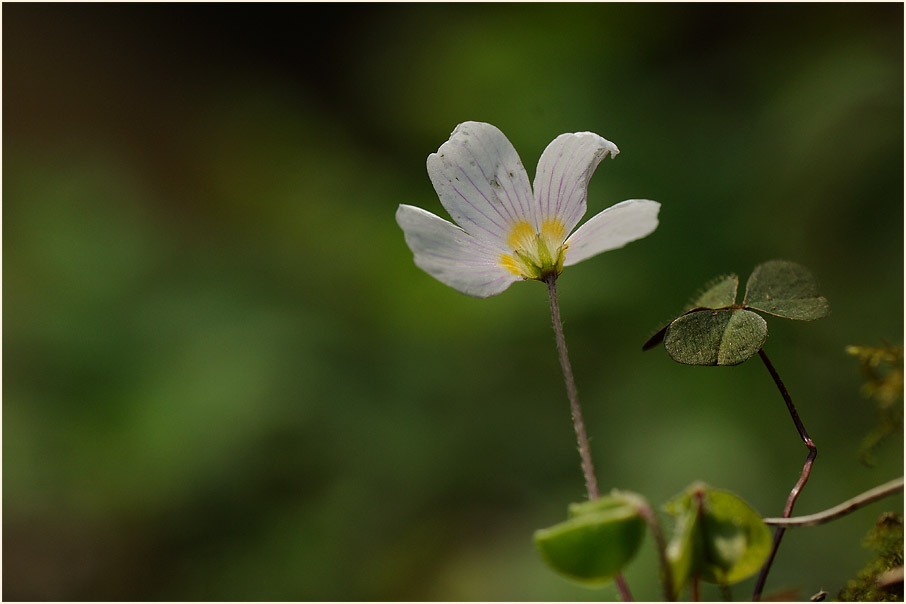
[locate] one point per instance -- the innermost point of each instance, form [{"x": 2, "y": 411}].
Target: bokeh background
[{"x": 225, "y": 379}]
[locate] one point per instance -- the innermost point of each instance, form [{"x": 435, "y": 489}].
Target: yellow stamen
[
  {"x": 554, "y": 231},
  {"x": 535, "y": 255}
]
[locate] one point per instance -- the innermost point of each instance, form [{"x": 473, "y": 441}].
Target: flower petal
[
  {"x": 565, "y": 167},
  {"x": 452, "y": 256},
  {"x": 611, "y": 229},
  {"x": 481, "y": 182}
]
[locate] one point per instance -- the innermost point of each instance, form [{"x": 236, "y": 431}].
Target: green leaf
[
  {"x": 595, "y": 543},
  {"x": 656, "y": 338},
  {"x": 614, "y": 499},
  {"x": 737, "y": 542},
  {"x": 685, "y": 551},
  {"x": 717, "y": 537},
  {"x": 715, "y": 337},
  {"x": 718, "y": 293},
  {"x": 785, "y": 289}
]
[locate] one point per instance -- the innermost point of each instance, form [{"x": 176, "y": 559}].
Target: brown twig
[{"x": 803, "y": 476}]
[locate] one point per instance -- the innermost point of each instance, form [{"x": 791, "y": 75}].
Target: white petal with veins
[
  {"x": 565, "y": 167},
  {"x": 452, "y": 256},
  {"x": 611, "y": 229},
  {"x": 481, "y": 182}
]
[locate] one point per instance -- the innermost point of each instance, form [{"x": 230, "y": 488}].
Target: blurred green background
[{"x": 225, "y": 379}]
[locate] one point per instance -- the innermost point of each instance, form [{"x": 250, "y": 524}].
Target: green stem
[
  {"x": 838, "y": 511},
  {"x": 588, "y": 468}
]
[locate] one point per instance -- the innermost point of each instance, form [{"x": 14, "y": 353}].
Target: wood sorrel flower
[{"x": 507, "y": 231}]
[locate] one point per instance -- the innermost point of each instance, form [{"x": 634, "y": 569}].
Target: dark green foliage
[
  {"x": 717, "y": 331},
  {"x": 785, "y": 289},
  {"x": 719, "y": 293},
  {"x": 716, "y": 337}
]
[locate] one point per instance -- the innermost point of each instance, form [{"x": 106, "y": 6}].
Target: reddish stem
[{"x": 803, "y": 476}]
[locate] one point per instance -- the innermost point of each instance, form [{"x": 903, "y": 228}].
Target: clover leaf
[{"x": 715, "y": 330}]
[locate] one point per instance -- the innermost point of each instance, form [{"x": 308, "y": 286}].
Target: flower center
[{"x": 535, "y": 255}]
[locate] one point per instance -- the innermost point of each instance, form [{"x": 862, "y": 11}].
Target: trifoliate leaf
[
  {"x": 785, "y": 289},
  {"x": 595, "y": 543},
  {"x": 715, "y": 337}
]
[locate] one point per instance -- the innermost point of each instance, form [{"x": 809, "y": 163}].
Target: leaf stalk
[{"x": 803, "y": 476}]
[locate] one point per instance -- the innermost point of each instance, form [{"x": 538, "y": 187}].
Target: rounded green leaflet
[
  {"x": 785, "y": 289},
  {"x": 715, "y": 337},
  {"x": 595, "y": 543},
  {"x": 719, "y": 293}
]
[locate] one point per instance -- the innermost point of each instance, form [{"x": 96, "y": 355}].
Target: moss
[
  {"x": 887, "y": 539},
  {"x": 882, "y": 367}
]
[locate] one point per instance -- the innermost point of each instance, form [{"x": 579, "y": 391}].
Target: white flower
[{"x": 506, "y": 231}]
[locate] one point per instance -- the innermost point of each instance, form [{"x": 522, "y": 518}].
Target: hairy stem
[
  {"x": 838, "y": 511},
  {"x": 588, "y": 468},
  {"x": 803, "y": 476}
]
